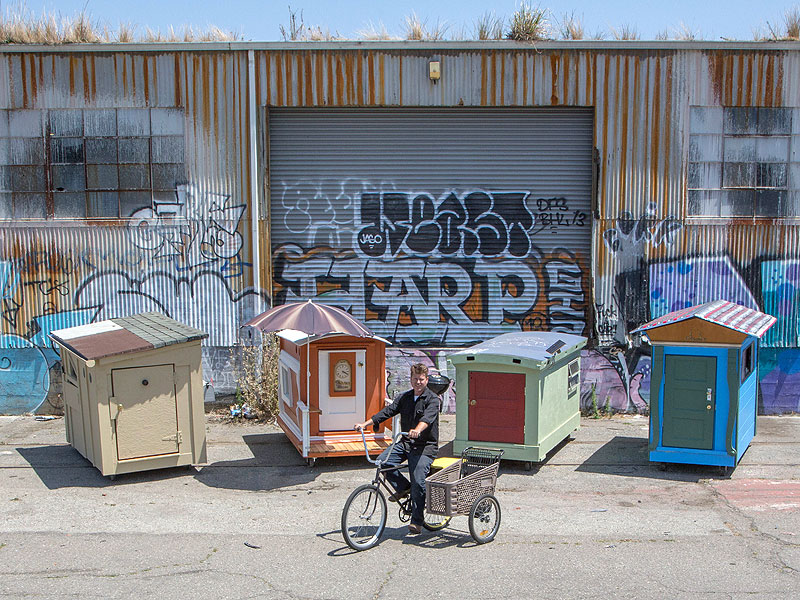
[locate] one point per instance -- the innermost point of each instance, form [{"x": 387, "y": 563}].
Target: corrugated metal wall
[
  {"x": 437, "y": 227},
  {"x": 642, "y": 95}
]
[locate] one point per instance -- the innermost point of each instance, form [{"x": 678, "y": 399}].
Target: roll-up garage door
[{"x": 436, "y": 227}]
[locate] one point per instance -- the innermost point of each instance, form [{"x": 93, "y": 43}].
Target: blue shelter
[{"x": 704, "y": 383}]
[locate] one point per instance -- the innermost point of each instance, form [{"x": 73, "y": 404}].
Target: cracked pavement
[{"x": 594, "y": 520}]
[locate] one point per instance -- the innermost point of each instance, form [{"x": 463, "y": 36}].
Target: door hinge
[{"x": 176, "y": 437}]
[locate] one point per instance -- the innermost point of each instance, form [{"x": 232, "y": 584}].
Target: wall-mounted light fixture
[{"x": 435, "y": 70}]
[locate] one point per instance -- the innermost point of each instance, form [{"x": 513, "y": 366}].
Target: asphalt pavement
[{"x": 595, "y": 520}]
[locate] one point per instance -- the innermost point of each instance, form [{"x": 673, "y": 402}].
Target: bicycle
[{"x": 364, "y": 514}]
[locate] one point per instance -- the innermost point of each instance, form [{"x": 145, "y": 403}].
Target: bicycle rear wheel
[
  {"x": 364, "y": 517},
  {"x": 484, "y": 519}
]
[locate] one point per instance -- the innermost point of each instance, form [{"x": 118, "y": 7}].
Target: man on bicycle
[{"x": 419, "y": 416}]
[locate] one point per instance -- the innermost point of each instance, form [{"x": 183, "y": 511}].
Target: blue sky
[{"x": 259, "y": 20}]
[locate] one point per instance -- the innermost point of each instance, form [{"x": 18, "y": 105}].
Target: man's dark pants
[{"x": 418, "y": 467}]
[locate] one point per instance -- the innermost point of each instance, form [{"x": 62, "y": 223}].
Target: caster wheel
[
  {"x": 528, "y": 465},
  {"x": 311, "y": 461}
]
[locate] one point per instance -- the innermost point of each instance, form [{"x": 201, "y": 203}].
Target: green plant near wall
[{"x": 595, "y": 411}]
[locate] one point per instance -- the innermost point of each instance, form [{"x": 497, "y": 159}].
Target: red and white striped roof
[{"x": 720, "y": 312}]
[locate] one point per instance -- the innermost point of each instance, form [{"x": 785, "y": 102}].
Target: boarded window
[
  {"x": 88, "y": 163},
  {"x": 743, "y": 162}
]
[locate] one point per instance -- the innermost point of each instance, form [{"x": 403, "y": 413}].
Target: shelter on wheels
[
  {"x": 704, "y": 383},
  {"x": 519, "y": 392},
  {"x": 332, "y": 375}
]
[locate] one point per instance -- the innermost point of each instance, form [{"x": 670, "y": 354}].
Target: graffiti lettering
[{"x": 487, "y": 224}]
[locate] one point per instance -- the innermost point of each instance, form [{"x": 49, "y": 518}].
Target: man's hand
[
  {"x": 364, "y": 425},
  {"x": 414, "y": 433}
]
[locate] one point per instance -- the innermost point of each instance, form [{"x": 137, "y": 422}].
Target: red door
[{"x": 497, "y": 407}]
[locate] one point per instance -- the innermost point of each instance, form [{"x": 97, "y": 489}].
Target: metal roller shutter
[{"x": 435, "y": 226}]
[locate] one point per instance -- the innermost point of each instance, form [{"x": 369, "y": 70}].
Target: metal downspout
[{"x": 254, "y": 176}]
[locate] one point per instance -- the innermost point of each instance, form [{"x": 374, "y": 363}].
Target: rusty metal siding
[{"x": 189, "y": 254}]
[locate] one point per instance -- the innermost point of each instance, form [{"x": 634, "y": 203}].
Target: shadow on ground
[
  {"x": 62, "y": 466},
  {"x": 275, "y": 464},
  {"x": 629, "y": 457}
]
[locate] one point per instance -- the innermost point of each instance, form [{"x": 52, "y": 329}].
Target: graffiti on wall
[
  {"x": 398, "y": 367},
  {"x": 182, "y": 258},
  {"x": 425, "y": 271}
]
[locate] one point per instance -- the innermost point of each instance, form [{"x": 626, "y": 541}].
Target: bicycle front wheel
[{"x": 364, "y": 517}]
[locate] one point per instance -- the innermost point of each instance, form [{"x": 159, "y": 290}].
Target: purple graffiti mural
[
  {"x": 690, "y": 281},
  {"x": 779, "y": 372},
  {"x": 619, "y": 382},
  {"x": 398, "y": 367}
]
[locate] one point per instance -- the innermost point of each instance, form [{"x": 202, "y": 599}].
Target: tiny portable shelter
[
  {"x": 326, "y": 385},
  {"x": 519, "y": 392},
  {"x": 704, "y": 383},
  {"x": 133, "y": 392},
  {"x": 332, "y": 376}
]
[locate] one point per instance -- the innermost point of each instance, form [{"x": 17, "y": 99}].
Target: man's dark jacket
[{"x": 426, "y": 408}]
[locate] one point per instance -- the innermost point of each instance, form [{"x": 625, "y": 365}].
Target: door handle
[{"x": 473, "y": 402}]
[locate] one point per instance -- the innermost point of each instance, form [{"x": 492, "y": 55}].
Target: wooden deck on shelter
[{"x": 336, "y": 444}]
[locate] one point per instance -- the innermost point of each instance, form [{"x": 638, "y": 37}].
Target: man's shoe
[
  {"x": 399, "y": 495},
  {"x": 414, "y": 529}
]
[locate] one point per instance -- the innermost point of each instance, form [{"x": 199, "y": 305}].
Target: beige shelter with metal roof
[{"x": 133, "y": 393}]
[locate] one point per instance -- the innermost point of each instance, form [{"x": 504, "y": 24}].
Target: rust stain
[
  {"x": 655, "y": 128},
  {"x": 300, "y": 75},
  {"x": 647, "y": 126},
  {"x": 758, "y": 78},
  {"x": 669, "y": 98},
  {"x": 71, "y": 75},
  {"x": 205, "y": 91},
  {"x": 624, "y": 100},
  {"x": 605, "y": 150},
  {"x": 514, "y": 63},
  {"x": 278, "y": 79},
  {"x": 287, "y": 72},
  {"x": 525, "y": 78},
  {"x": 133, "y": 76},
  {"x": 309, "y": 85},
  {"x": 502, "y": 99},
  {"x": 553, "y": 79},
  {"x": 400, "y": 97},
  {"x": 34, "y": 92},
  {"x": 637, "y": 110},
  {"x": 177, "y": 89},
  {"x": 566, "y": 78},
  {"x": 146, "y": 79},
  {"x": 25, "y": 78},
  {"x": 779, "y": 82},
  {"x": 214, "y": 90},
  {"x": 714, "y": 64},
  {"x": 359, "y": 77},
  {"x": 348, "y": 78},
  {"x": 371, "y": 77},
  {"x": 769, "y": 88},
  {"x": 267, "y": 83},
  {"x": 483, "y": 78},
  {"x": 749, "y": 81},
  {"x": 739, "y": 80},
  {"x": 493, "y": 82},
  {"x": 124, "y": 74},
  {"x": 318, "y": 69},
  {"x": 330, "y": 72},
  {"x": 381, "y": 80},
  {"x": 339, "y": 81}
]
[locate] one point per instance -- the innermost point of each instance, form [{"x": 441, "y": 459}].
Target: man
[{"x": 419, "y": 416}]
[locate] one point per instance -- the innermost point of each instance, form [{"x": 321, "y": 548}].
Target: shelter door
[
  {"x": 147, "y": 418},
  {"x": 342, "y": 397},
  {"x": 689, "y": 401},
  {"x": 497, "y": 407}
]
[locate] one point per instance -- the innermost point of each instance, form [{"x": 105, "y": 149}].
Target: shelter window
[
  {"x": 748, "y": 361},
  {"x": 744, "y": 162},
  {"x": 573, "y": 377},
  {"x": 89, "y": 163}
]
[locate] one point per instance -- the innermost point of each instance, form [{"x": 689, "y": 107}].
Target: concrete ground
[{"x": 596, "y": 520}]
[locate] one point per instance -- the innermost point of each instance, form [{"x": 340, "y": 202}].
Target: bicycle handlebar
[{"x": 394, "y": 441}]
